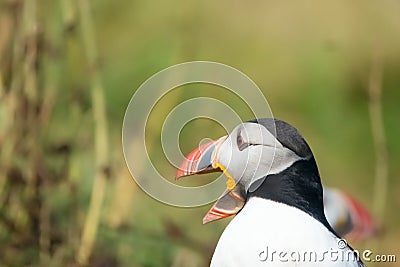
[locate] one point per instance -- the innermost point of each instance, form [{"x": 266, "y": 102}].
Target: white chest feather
[{"x": 267, "y": 233}]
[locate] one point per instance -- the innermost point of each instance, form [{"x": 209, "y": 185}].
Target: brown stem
[{"x": 101, "y": 137}]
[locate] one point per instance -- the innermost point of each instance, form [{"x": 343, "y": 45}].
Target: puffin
[
  {"x": 274, "y": 190},
  {"x": 347, "y": 216}
]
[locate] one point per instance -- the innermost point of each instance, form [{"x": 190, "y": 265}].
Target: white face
[{"x": 250, "y": 152}]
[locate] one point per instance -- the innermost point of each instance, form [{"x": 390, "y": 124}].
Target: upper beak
[
  {"x": 201, "y": 159},
  {"x": 204, "y": 159}
]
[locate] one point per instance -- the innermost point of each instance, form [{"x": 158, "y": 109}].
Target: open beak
[{"x": 204, "y": 159}]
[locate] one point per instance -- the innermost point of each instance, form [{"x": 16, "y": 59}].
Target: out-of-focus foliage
[{"x": 311, "y": 59}]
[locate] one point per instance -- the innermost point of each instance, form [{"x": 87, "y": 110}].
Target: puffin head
[{"x": 265, "y": 158}]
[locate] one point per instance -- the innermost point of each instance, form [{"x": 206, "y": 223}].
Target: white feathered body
[{"x": 267, "y": 233}]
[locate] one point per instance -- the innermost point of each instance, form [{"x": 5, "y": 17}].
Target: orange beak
[
  {"x": 203, "y": 160},
  {"x": 200, "y": 160}
]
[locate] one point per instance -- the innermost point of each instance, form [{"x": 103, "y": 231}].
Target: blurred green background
[{"x": 69, "y": 68}]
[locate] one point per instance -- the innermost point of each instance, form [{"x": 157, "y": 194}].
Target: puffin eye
[{"x": 240, "y": 142}]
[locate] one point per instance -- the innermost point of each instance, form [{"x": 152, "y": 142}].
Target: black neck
[{"x": 298, "y": 186}]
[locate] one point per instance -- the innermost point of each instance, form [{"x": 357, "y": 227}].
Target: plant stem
[
  {"x": 378, "y": 133},
  {"x": 100, "y": 137}
]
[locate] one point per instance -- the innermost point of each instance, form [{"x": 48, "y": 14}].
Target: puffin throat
[{"x": 298, "y": 186}]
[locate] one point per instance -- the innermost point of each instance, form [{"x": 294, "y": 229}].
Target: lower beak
[
  {"x": 202, "y": 160},
  {"x": 230, "y": 203}
]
